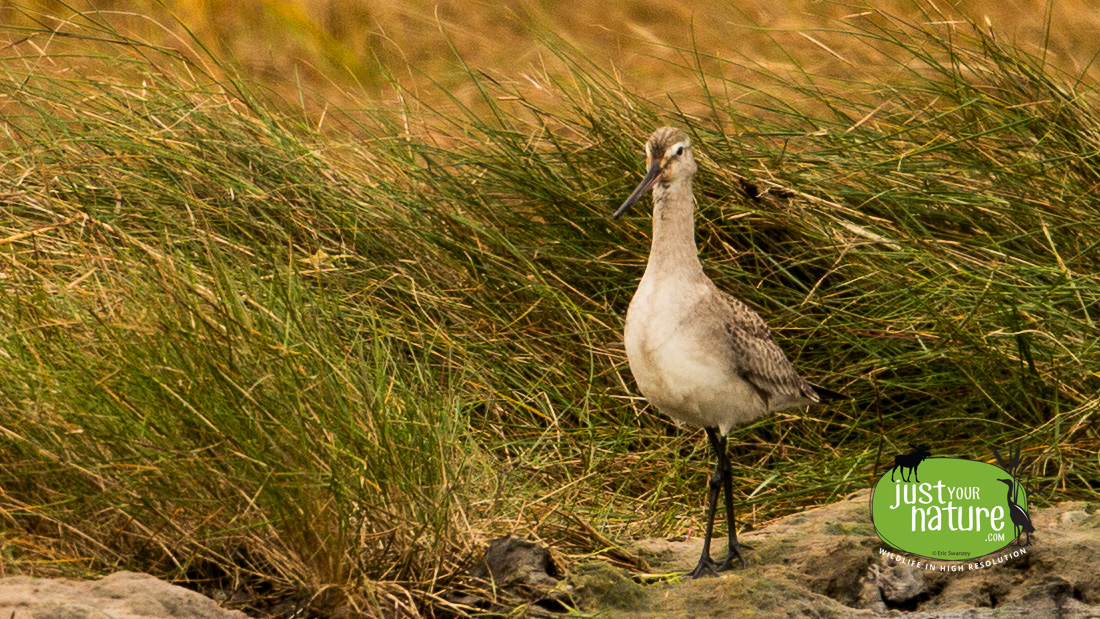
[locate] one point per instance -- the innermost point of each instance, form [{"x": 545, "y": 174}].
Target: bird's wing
[{"x": 757, "y": 358}]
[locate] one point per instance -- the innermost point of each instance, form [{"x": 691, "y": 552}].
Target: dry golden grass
[{"x": 342, "y": 49}]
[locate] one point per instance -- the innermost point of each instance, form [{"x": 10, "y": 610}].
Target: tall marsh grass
[{"x": 326, "y": 366}]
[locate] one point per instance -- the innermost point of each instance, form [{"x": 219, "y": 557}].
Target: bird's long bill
[{"x": 647, "y": 183}]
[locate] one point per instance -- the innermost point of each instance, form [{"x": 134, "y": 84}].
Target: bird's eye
[{"x": 679, "y": 151}]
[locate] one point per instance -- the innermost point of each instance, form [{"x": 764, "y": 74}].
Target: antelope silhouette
[{"x": 910, "y": 462}]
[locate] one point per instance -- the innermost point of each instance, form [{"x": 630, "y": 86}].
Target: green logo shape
[{"x": 959, "y": 510}]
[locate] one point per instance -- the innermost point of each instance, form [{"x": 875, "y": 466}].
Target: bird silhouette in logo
[{"x": 1021, "y": 522}]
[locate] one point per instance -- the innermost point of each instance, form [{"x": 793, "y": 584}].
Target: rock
[
  {"x": 124, "y": 595},
  {"x": 513, "y": 562},
  {"x": 899, "y": 587},
  {"x": 826, "y": 562},
  {"x": 515, "y": 572}
]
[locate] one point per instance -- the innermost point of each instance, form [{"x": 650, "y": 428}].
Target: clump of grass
[{"x": 327, "y": 366}]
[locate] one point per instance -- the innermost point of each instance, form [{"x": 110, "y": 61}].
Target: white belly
[{"x": 681, "y": 370}]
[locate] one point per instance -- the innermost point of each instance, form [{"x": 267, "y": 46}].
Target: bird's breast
[{"x": 677, "y": 363}]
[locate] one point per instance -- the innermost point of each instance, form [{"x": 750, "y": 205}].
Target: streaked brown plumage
[{"x": 699, "y": 355}]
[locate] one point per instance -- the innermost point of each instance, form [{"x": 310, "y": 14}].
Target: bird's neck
[{"x": 674, "y": 250}]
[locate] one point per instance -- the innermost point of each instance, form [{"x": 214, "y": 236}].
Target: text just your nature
[{"x": 958, "y": 517}]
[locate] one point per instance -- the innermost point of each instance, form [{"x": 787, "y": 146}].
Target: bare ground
[{"x": 827, "y": 562}]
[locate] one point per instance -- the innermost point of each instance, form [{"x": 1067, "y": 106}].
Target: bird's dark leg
[
  {"x": 727, "y": 487},
  {"x": 706, "y": 564}
]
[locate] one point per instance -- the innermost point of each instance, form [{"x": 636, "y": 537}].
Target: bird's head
[
  {"x": 1006, "y": 481},
  {"x": 668, "y": 160}
]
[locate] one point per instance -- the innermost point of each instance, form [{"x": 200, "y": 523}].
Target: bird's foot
[
  {"x": 735, "y": 553},
  {"x": 706, "y": 567}
]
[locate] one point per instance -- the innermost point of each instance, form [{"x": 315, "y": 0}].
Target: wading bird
[
  {"x": 1021, "y": 522},
  {"x": 700, "y": 356}
]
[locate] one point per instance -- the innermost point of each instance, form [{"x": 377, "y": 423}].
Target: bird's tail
[{"x": 828, "y": 395}]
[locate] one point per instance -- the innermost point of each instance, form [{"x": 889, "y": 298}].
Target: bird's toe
[
  {"x": 734, "y": 555},
  {"x": 706, "y": 567}
]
